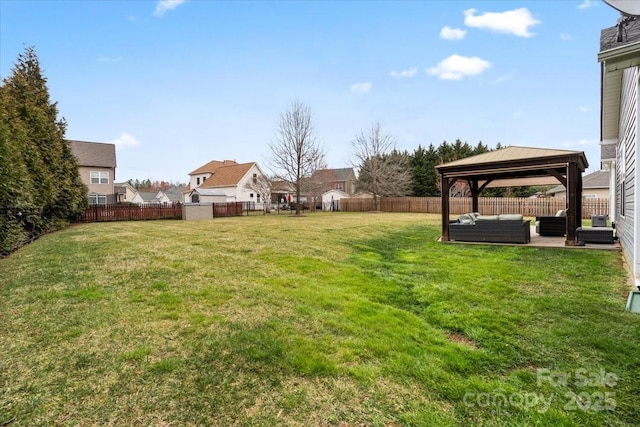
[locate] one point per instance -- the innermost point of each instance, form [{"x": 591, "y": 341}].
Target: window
[
  {"x": 198, "y": 181},
  {"x": 99, "y": 177},
  {"x": 339, "y": 186},
  {"x": 251, "y": 195},
  {"x": 204, "y": 178},
  {"x": 258, "y": 198},
  {"x": 97, "y": 199},
  {"x": 195, "y": 198},
  {"x": 255, "y": 178}
]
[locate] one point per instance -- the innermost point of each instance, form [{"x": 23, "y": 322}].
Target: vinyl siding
[{"x": 626, "y": 164}]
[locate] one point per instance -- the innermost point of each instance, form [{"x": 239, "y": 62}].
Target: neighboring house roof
[
  {"x": 226, "y": 176},
  {"x": 123, "y": 185},
  {"x": 147, "y": 196},
  {"x": 344, "y": 174},
  {"x": 281, "y": 187},
  {"x": 175, "y": 193},
  {"x": 597, "y": 179},
  {"x": 208, "y": 192},
  {"x": 212, "y": 166},
  {"x": 333, "y": 175},
  {"x": 150, "y": 197},
  {"x": 96, "y": 154}
]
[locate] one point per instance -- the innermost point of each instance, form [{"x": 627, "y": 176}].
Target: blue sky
[{"x": 176, "y": 84}]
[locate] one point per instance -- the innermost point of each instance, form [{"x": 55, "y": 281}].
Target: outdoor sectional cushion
[
  {"x": 487, "y": 218},
  {"x": 510, "y": 216},
  {"x": 466, "y": 219},
  {"x": 492, "y": 230}
]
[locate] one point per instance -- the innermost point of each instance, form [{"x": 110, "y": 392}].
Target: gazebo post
[
  {"x": 574, "y": 193},
  {"x": 445, "y": 207},
  {"x": 475, "y": 192}
]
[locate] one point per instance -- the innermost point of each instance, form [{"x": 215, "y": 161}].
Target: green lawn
[{"x": 329, "y": 319}]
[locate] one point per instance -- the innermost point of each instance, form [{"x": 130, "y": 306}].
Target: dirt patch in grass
[{"x": 459, "y": 338}]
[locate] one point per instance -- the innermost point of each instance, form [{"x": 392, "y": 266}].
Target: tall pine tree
[
  {"x": 38, "y": 172},
  {"x": 53, "y": 170}
]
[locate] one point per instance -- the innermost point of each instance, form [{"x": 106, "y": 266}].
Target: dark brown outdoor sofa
[
  {"x": 551, "y": 225},
  {"x": 491, "y": 229}
]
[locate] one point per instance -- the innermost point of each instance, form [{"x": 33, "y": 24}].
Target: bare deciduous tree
[
  {"x": 262, "y": 186},
  {"x": 382, "y": 170},
  {"x": 295, "y": 153}
]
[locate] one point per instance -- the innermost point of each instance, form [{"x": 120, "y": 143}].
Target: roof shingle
[
  {"x": 96, "y": 154},
  {"x": 212, "y": 166},
  {"x": 225, "y": 176}
]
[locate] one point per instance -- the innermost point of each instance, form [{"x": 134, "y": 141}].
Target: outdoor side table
[{"x": 595, "y": 235}]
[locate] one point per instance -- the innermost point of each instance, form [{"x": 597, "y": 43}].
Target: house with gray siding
[
  {"x": 619, "y": 57},
  {"x": 594, "y": 186},
  {"x": 97, "y": 167}
]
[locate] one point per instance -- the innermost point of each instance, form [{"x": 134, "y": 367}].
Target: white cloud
[
  {"x": 587, "y": 4},
  {"x": 364, "y": 87},
  {"x": 449, "y": 33},
  {"x": 456, "y": 67},
  {"x": 503, "y": 78},
  {"x": 584, "y": 109},
  {"x": 125, "y": 140},
  {"x": 107, "y": 59},
  {"x": 404, "y": 73},
  {"x": 516, "y": 22},
  {"x": 166, "y": 5},
  {"x": 566, "y": 36}
]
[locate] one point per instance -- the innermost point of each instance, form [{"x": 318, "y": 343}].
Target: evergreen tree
[
  {"x": 38, "y": 172},
  {"x": 53, "y": 169},
  {"x": 423, "y": 167},
  {"x": 15, "y": 181}
]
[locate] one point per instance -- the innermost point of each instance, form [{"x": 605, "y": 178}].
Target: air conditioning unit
[{"x": 598, "y": 220}]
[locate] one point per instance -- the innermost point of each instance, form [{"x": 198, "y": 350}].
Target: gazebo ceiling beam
[{"x": 562, "y": 178}]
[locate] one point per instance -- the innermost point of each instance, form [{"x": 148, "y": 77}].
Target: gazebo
[{"x": 516, "y": 166}]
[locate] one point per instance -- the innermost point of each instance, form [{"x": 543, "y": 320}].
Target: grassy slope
[{"x": 326, "y": 319}]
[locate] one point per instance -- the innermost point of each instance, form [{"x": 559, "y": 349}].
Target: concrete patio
[{"x": 538, "y": 241}]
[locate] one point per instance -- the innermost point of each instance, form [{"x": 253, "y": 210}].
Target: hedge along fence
[
  {"x": 21, "y": 225},
  {"x": 486, "y": 205}
]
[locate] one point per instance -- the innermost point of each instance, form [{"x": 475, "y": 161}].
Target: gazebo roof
[{"x": 513, "y": 162}]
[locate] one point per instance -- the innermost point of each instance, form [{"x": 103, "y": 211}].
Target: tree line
[
  {"x": 152, "y": 185},
  {"x": 40, "y": 185},
  {"x": 382, "y": 169}
]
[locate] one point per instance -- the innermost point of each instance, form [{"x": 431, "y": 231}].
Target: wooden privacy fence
[
  {"x": 486, "y": 205},
  {"x": 193, "y": 211},
  {"x": 227, "y": 209},
  {"x": 105, "y": 213}
]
